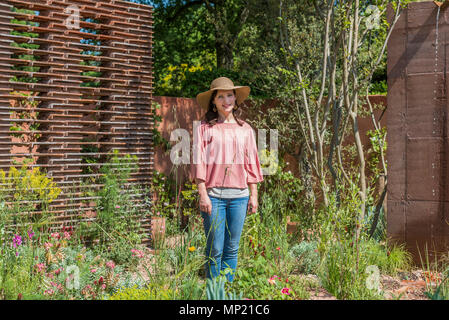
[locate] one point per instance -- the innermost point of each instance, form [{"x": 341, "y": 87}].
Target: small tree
[{"x": 323, "y": 93}]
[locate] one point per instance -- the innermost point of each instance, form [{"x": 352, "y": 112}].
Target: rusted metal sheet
[
  {"x": 417, "y": 124},
  {"x": 74, "y": 120}
]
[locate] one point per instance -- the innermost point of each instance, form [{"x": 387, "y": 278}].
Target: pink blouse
[{"x": 225, "y": 155}]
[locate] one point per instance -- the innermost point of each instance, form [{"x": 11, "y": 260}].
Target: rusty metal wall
[
  {"x": 70, "y": 121},
  {"x": 417, "y": 124}
]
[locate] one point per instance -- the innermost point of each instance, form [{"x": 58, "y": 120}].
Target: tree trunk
[{"x": 225, "y": 56}]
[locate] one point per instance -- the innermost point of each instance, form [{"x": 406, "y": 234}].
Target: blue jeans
[{"x": 223, "y": 229}]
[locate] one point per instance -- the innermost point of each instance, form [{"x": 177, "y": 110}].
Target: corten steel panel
[
  {"x": 396, "y": 220},
  {"x": 396, "y": 101},
  {"x": 425, "y": 107},
  {"x": 418, "y": 130},
  {"x": 426, "y": 174},
  {"x": 431, "y": 232},
  {"x": 72, "y": 118}
]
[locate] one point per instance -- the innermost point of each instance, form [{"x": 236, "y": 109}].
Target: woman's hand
[
  {"x": 253, "y": 204},
  {"x": 205, "y": 204}
]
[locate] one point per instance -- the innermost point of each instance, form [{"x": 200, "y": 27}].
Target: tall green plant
[{"x": 118, "y": 225}]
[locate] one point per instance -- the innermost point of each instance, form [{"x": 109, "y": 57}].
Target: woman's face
[{"x": 225, "y": 101}]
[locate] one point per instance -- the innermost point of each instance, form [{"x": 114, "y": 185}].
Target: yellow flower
[{"x": 192, "y": 248}]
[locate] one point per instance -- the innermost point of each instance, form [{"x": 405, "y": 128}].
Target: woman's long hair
[{"x": 211, "y": 116}]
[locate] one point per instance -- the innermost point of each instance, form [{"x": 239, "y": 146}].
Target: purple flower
[
  {"x": 30, "y": 234},
  {"x": 17, "y": 241}
]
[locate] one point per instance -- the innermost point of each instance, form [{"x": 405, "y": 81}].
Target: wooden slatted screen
[{"x": 89, "y": 88}]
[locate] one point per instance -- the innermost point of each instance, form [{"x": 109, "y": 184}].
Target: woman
[{"x": 227, "y": 169}]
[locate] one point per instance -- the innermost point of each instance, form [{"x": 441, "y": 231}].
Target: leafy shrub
[
  {"x": 340, "y": 276},
  {"x": 117, "y": 228},
  {"x": 388, "y": 258},
  {"x": 164, "y": 190},
  {"x": 22, "y": 192},
  {"x": 188, "y": 81},
  {"x": 39, "y": 266},
  {"x": 307, "y": 257},
  {"x": 150, "y": 292}
]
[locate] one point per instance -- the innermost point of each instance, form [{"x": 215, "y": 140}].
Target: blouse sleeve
[
  {"x": 198, "y": 167},
  {"x": 252, "y": 164}
]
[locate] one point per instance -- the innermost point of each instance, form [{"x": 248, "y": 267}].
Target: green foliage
[
  {"x": 344, "y": 261},
  {"x": 25, "y": 11},
  {"x": 339, "y": 275},
  {"x": 307, "y": 257},
  {"x": 185, "y": 81},
  {"x": 91, "y": 74},
  {"x": 190, "y": 199},
  {"x": 388, "y": 258},
  {"x": 24, "y": 79},
  {"x": 158, "y": 139},
  {"x": 379, "y": 87},
  {"x": 280, "y": 191},
  {"x": 25, "y": 45},
  {"x": 39, "y": 266},
  {"x": 380, "y": 232},
  {"x": 149, "y": 292},
  {"x": 23, "y": 191},
  {"x": 25, "y": 23},
  {"x": 441, "y": 292},
  {"x": 15, "y": 129},
  {"x": 378, "y": 146},
  {"x": 89, "y": 158},
  {"x": 179, "y": 265},
  {"x": 215, "y": 290},
  {"x": 117, "y": 227},
  {"x": 25, "y": 34},
  {"x": 163, "y": 189}
]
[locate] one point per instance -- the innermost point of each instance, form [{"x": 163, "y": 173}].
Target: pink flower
[
  {"x": 117, "y": 207},
  {"x": 278, "y": 248},
  {"x": 110, "y": 265},
  {"x": 40, "y": 267},
  {"x": 93, "y": 270},
  {"x": 17, "y": 241},
  {"x": 48, "y": 245},
  {"x": 137, "y": 253},
  {"x": 285, "y": 291},
  {"x": 272, "y": 280},
  {"x": 48, "y": 292},
  {"x": 30, "y": 234},
  {"x": 66, "y": 235},
  {"x": 103, "y": 286},
  {"x": 55, "y": 235}
]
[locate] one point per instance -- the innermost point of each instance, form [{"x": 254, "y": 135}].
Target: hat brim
[{"x": 241, "y": 92}]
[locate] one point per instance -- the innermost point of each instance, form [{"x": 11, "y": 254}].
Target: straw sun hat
[{"x": 222, "y": 83}]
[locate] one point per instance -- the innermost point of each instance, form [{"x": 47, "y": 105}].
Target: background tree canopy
[{"x": 196, "y": 41}]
